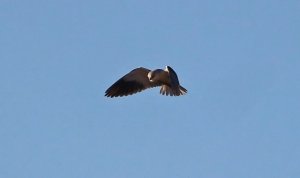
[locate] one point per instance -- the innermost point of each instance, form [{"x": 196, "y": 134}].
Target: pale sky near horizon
[{"x": 239, "y": 60}]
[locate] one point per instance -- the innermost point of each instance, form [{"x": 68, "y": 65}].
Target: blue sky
[{"x": 239, "y": 60}]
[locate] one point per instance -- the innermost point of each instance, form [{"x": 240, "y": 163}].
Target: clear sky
[{"x": 239, "y": 60}]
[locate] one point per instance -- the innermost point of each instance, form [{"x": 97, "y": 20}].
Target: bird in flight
[{"x": 141, "y": 78}]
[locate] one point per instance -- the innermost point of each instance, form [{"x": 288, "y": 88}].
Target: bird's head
[
  {"x": 154, "y": 75},
  {"x": 151, "y": 76}
]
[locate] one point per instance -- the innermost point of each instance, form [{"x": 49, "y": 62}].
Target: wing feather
[
  {"x": 173, "y": 88},
  {"x": 173, "y": 76},
  {"x": 131, "y": 83}
]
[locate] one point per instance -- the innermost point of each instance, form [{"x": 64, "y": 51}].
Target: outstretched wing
[{"x": 133, "y": 82}]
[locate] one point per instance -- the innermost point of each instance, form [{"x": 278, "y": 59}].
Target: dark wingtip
[
  {"x": 182, "y": 90},
  {"x": 169, "y": 68},
  {"x": 123, "y": 88}
]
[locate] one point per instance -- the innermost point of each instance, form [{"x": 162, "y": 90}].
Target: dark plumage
[{"x": 141, "y": 78}]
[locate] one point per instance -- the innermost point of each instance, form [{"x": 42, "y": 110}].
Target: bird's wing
[
  {"x": 173, "y": 76},
  {"x": 133, "y": 82},
  {"x": 174, "y": 88}
]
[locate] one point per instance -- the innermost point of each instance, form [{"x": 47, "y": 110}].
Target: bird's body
[{"x": 141, "y": 78}]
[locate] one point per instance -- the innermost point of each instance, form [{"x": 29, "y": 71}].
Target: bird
[{"x": 141, "y": 78}]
